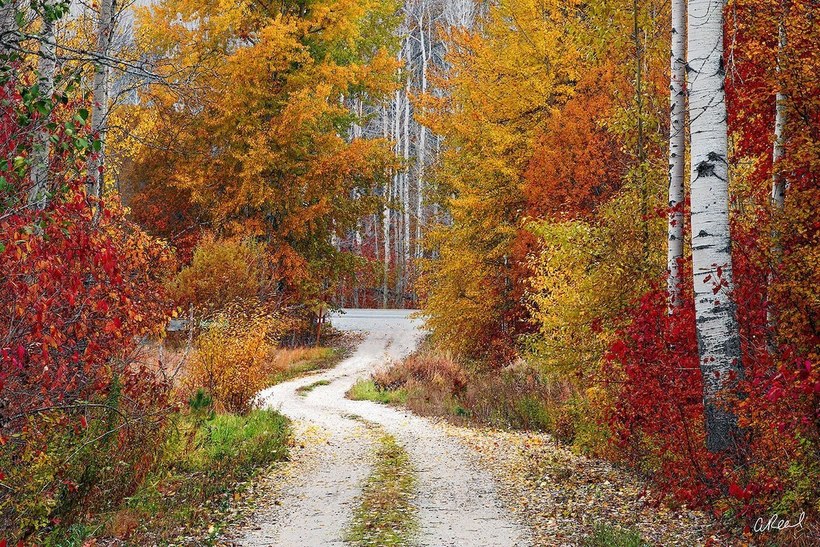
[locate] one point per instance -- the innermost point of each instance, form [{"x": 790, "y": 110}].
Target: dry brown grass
[{"x": 437, "y": 384}]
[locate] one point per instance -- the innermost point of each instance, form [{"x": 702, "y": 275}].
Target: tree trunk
[
  {"x": 9, "y": 33},
  {"x": 406, "y": 176},
  {"x": 386, "y": 220},
  {"x": 677, "y": 151},
  {"x": 778, "y": 180},
  {"x": 99, "y": 108},
  {"x": 717, "y": 328},
  {"x": 422, "y": 151},
  {"x": 41, "y": 152}
]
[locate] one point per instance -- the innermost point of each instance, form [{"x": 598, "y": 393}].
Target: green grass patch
[
  {"x": 611, "y": 536},
  {"x": 386, "y": 515},
  {"x": 203, "y": 463},
  {"x": 366, "y": 390},
  {"x": 304, "y": 390}
]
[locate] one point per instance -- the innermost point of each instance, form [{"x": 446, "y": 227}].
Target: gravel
[{"x": 315, "y": 495}]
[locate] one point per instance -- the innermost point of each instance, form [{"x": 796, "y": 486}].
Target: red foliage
[
  {"x": 658, "y": 414},
  {"x": 79, "y": 287},
  {"x": 74, "y": 294}
]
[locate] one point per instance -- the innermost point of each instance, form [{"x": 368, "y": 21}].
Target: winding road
[{"x": 456, "y": 501}]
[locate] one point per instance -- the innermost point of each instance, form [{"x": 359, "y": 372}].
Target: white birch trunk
[
  {"x": 386, "y": 220},
  {"x": 406, "y": 174},
  {"x": 778, "y": 180},
  {"x": 397, "y": 193},
  {"x": 41, "y": 152},
  {"x": 677, "y": 150},
  {"x": 779, "y": 150},
  {"x": 422, "y": 148},
  {"x": 9, "y": 33},
  {"x": 717, "y": 328},
  {"x": 99, "y": 108}
]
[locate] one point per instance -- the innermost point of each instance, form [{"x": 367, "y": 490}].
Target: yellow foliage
[
  {"x": 232, "y": 356},
  {"x": 222, "y": 272},
  {"x": 502, "y": 85},
  {"x": 257, "y": 140}
]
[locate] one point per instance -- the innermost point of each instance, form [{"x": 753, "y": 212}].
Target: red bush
[{"x": 657, "y": 417}]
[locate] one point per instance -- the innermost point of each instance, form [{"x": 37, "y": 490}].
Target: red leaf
[{"x": 736, "y": 491}]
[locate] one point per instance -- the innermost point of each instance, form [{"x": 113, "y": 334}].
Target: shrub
[
  {"x": 76, "y": 295},
  {"x": 223, "y": 272},
  {"x": 517, "y": 396},
  {"x": 658, "y": 410},
  {"x": 233, "y": 355},
  {"x": 437, "y": 369}
]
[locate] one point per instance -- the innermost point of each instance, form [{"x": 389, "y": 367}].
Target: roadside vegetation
[
  {"x": 611, "y": 536},
  {"x": 433, "y": 383},
  {"x": 385, "y": 515}
]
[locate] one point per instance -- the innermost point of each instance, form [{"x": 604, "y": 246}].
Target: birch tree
[
  {"x": 778, "y": 153},
  {"x": 99, "y": 108},
  {"x": 677, "y": 149},
  {"x": 717, "y": 327},
  {"x": 8, "y": 26},
  {"x": 46, "y": 68},
  {"x": 779, "y": 149}
]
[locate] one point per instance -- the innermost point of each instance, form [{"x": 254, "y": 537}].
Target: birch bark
[
  {"x": 778, "y": 179},
  {"x": 677, "y": 150},
  {"x": 717, "y": 328},
  {"x": 386, "y": 220},
  {"x": 9, "y": 33},
  {"x": 422, "y": 143},
  {"x": 46, "y": 67},
  {"x": 779, "y": 149},
  {"x": 99, "y": 108}
]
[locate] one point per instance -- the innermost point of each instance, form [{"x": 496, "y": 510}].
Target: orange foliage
[
  {"x": 223, "y": 272},
  {"x": 577, "y": 163}
]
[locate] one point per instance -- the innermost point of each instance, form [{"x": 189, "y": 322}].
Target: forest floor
[{"x": 470, "y": 487}]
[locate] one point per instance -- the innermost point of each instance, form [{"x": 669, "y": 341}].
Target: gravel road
[{"x": 457, "y": 502}]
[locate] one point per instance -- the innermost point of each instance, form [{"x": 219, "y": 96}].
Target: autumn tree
[
  {"x": 254, "y": 130},
  {"x": 489, "y": 113}
]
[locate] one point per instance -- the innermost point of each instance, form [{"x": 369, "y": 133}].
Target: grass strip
[
  {"x": 366, "y": 390},
  {"x": 304, "y": 390},
  {"x": 386, "y": 515}
]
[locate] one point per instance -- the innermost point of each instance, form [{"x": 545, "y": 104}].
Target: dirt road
[{"x": 457, "y": 502}]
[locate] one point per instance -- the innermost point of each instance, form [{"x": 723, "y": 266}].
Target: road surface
[{"x": 457, "y": 503}]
